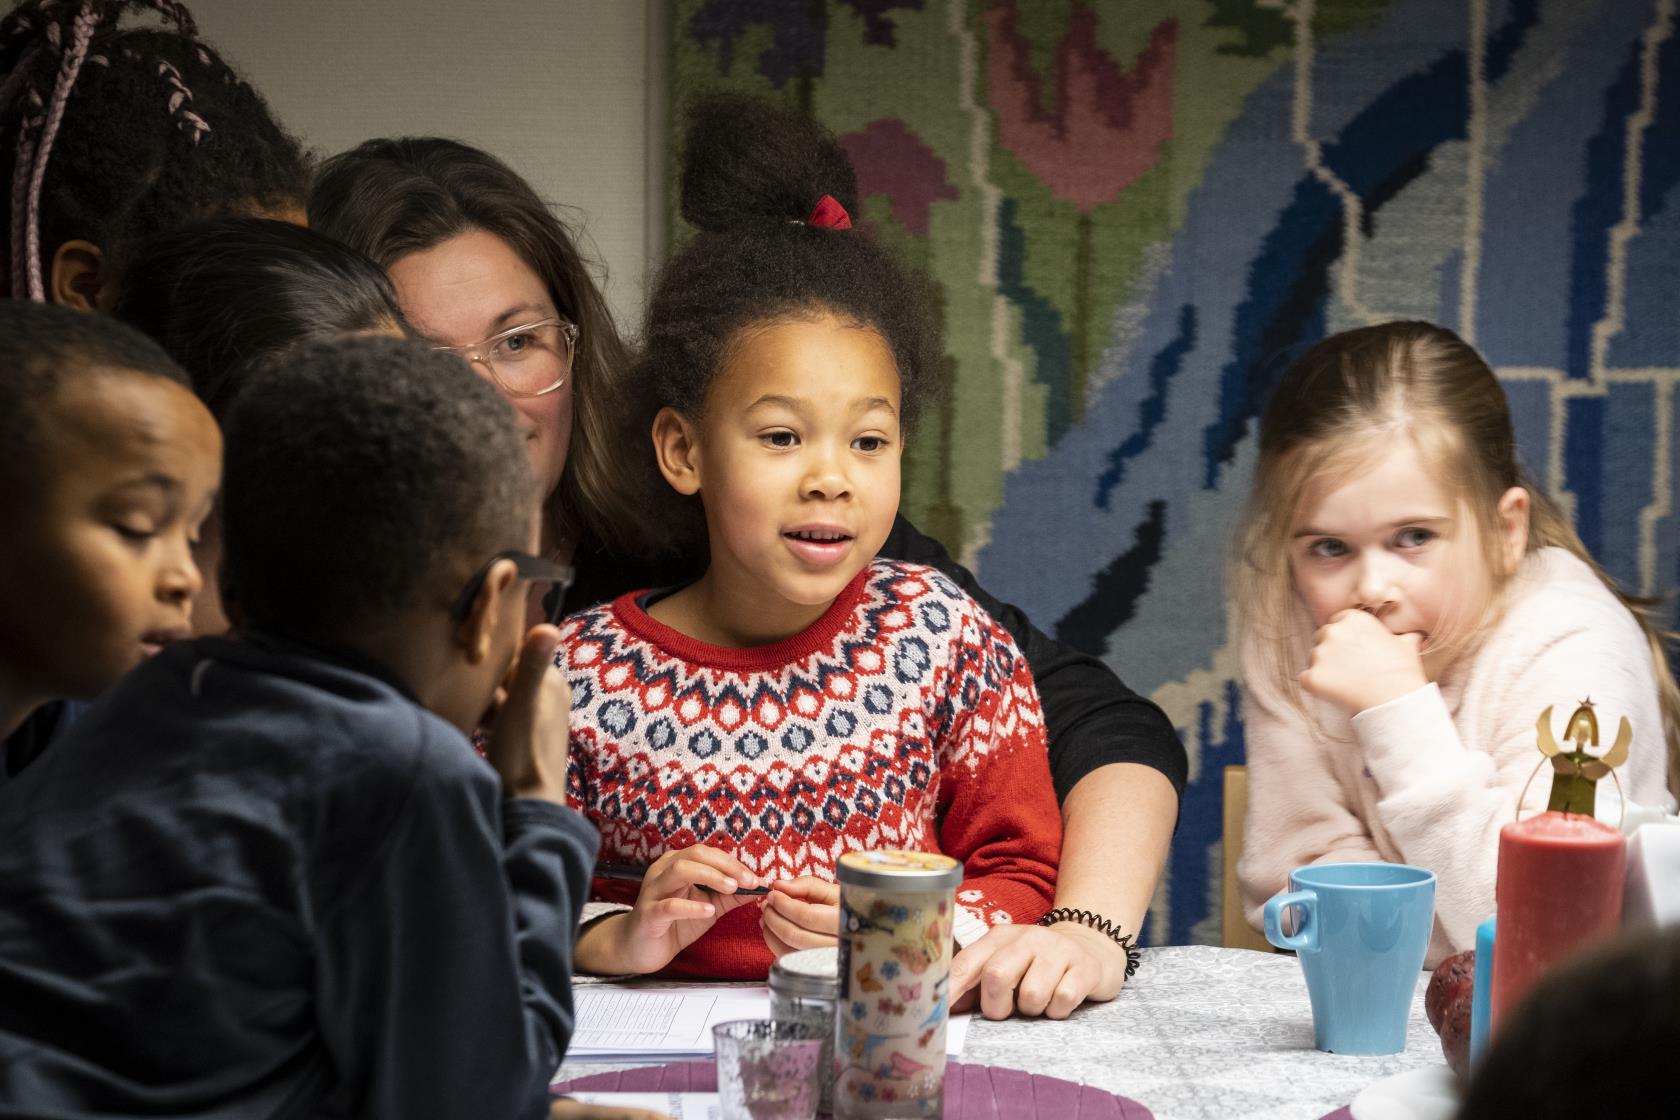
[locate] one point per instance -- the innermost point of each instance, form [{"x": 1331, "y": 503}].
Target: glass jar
[{"x": 802, "y": 987}]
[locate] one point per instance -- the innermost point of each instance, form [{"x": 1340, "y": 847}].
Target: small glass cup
[
  {"x": 769, "y": 1070},
  {"x": 802, "y": 987}
]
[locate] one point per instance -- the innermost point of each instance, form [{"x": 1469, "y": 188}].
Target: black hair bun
[{"x": 746, "y": 159}]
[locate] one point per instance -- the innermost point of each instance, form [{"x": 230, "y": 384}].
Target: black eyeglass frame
[{"x": 534, "y": 569}]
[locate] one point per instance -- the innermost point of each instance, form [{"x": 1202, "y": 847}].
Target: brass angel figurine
[{"x": 1575, "y": 773}]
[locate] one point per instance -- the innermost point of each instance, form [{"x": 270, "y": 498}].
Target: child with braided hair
[{"x": 109, "y": 134}]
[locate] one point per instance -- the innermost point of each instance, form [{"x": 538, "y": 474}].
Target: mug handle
[{"x": 1305, "y": 938}]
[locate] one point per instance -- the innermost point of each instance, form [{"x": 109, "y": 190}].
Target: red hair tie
[{"x": 829, "y": 214}]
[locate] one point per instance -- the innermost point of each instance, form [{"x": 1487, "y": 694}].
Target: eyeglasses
[
  {"x": 526, "y": 567},
  {"x": 525, "y": 361}
]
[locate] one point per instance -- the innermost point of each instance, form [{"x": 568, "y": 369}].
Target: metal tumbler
[{"x": 893, "y": 1001}]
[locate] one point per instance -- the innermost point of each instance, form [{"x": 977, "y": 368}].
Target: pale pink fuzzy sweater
[{"x": 1430, "y": 778}]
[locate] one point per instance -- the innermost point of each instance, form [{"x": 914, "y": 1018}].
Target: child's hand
[
  {"x": 801, "y": 913},
  {"x": 1357, "y": 663},
  {"x": 672, "y": 911},
  {"x": 530, "y": 721}
]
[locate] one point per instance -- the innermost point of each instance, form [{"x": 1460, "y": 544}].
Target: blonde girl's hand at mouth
[{"x": 1358, "y": 663}]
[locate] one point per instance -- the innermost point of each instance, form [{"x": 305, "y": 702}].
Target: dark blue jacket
[{"x": 258, "y": 880}]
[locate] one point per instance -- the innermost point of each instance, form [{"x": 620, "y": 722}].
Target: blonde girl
[{"x": 1411, "y": 602}]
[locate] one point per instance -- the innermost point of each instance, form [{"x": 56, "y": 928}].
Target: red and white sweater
[{"x": 904, "y": 717}]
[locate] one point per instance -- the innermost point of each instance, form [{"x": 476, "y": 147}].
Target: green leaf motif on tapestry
[{"x": 1263, "y": 28}]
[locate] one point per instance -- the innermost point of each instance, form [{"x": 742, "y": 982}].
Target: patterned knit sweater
[{"x": 904, "y": 717}]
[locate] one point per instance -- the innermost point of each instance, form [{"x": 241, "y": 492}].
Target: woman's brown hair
[
  {"x": 1356, "y": 393},
  {"x": 391, "y": 197}
]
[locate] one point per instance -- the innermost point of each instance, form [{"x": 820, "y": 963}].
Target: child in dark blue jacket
[{"x": 267, "y": 876}]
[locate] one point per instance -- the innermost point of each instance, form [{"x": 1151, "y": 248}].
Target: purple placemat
[
  {"x": 971, "y": 1092},
  {"x": 1343, "y": 1113}
]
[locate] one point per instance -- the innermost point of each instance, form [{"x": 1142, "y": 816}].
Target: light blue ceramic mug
[{"x": 1361, "y": 932}]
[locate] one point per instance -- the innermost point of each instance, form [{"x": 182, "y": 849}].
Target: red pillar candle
[{"x": 1559, "y": 887}]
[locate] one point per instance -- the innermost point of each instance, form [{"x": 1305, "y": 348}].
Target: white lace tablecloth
[{"x": 1201, "y": 1033}]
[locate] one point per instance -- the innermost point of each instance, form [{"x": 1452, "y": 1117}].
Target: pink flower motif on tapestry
[
  {"x": 1105, "y": 127},
  {"x": 892, "y": 160}
]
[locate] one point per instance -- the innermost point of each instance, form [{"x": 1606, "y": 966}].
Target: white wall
[{"x": 560, "y": 89}]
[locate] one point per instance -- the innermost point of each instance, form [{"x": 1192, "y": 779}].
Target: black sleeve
[
  {"x": 444, "y": 976},
  {"x": 601, "y": 575},
  {"x": 1093, "y": 719}
]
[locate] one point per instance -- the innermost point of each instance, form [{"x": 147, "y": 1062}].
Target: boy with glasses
[{"x": 266, "y": 876}]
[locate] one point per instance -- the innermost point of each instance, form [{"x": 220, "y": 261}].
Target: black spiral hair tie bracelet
[{"x": 1102, "y": 925}]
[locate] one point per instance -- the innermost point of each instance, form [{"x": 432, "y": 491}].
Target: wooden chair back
[{"x": 1235, "y": 932}]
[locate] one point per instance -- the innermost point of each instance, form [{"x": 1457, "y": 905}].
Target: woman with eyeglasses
[{"x": 483, "y": 267}]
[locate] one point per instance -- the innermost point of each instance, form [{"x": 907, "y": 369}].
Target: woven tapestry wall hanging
[{"x": 1138, "y": 212}]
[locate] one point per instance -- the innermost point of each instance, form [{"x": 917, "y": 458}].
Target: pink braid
[
  {"x": 21, "y": 170},
  {"x": 28, "y": 101},
  {"x": 86, "y": 21},
  {"x": 179, "y": 100},
  {"x": 19, "y": 283}
]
